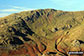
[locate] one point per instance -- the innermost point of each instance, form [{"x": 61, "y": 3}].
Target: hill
[{"x": 43, "y": 32}]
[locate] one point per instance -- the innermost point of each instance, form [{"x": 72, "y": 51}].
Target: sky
[{"x": 8, "y": 7}]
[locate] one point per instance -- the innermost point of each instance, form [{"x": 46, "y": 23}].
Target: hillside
[{"x": 43, "y": 32}]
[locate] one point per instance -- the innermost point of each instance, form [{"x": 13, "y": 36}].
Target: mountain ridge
[{"x": 42, "y": 32}]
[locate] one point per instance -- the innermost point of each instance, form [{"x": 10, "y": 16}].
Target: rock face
[{"x": 44, "y": 32}]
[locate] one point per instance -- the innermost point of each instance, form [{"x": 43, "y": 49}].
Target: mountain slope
[{"x": 41, "y": 32}]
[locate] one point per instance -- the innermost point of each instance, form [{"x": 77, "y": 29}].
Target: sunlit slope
[{"x": 41, "y": 32}]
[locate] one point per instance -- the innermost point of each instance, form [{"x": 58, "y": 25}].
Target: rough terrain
[{"x": 43, "y": 32}]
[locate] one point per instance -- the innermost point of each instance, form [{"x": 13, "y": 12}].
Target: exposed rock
[{"x": 75, "y": 43}]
